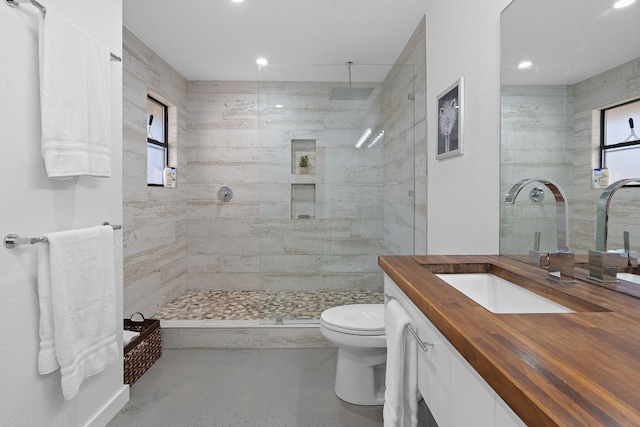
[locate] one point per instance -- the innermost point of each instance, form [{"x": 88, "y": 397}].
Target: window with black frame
[
  {"x": 157, "y": 144},
  {"x": 619, "y": 141}
]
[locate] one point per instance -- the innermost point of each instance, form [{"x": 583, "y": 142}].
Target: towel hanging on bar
[
  {"x": 16, "y": 3},
  {"x": 12, "y": 239}
]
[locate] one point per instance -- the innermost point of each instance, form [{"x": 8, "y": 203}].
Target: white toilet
[{"x": 358, "y": 332}]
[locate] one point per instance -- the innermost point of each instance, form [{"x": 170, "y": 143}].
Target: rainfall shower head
[{"x": 350, "y": 93}]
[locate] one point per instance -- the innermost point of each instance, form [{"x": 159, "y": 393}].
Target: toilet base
[{"x": 360, "y": 376}]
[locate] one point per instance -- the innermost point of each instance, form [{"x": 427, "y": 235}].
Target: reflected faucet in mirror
[
  {"x": 603, "y": 263},
  {"x": 560, "y": 263}
]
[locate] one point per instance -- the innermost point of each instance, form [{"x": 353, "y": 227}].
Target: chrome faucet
[
  {"x": 562, "y": 210},
  {"x": 562, "y": 262},
  {"x": 603, "y": 265}
]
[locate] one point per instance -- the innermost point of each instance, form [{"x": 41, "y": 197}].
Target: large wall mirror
[{"x": 584, "y": 58}]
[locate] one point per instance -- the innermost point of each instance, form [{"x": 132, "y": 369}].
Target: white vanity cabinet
[{"x": 455, "y": 393}]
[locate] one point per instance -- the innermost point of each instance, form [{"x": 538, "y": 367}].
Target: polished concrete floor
[{"x": 243, "y": 387}]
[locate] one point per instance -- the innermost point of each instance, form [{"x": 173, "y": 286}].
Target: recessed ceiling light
[
  {"x": 261, "y": 61},
  {"x": 279, "y": 105},
  {"x": 237, "y": 1},
  {"x": 623, "y": 3},
  {"x": 524, "y": 65}
]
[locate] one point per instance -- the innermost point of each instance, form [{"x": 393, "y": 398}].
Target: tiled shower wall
[
  {"x": 223, "y": 149},
  {"x": 252, "y": 242},
  {"x": 610, "y": 88},
  {"x": 155, "y": 231},
  {"x": 533, "y": 141},
  {"x": 337, "y": 247}
]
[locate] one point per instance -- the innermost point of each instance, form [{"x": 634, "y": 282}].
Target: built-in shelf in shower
[
  {"x": 303, "y": 201},
  {"x": 299, "y": 148},
  {"x": 303, "y": 186}
]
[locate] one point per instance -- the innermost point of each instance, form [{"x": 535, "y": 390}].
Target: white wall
[
  {"x": 31, "y": 205},
  {"x": 463, "y": 40}
]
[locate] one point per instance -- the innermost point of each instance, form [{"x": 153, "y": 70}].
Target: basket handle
[{"x": 141, "y": 315}]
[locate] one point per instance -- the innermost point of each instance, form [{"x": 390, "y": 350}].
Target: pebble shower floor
[{"x": 261, "y": 305}]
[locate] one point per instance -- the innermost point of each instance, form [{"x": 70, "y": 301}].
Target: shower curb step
[{"x": 240, "y": 334}]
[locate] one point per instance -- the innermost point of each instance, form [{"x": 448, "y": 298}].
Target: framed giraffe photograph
[{"x": 450, "y": 120}]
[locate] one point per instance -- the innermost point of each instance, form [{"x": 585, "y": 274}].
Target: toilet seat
[{"x": 355, "y": 319}]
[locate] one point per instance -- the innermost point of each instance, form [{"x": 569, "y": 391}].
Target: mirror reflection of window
[{"x": 620, "y": 145}]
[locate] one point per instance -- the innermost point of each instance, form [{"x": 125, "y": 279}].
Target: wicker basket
[{"x": 143, "y": 350}]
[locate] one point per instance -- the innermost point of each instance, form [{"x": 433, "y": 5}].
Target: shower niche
[
  {"x": 303, "y": 148},
  {"x": 303, "y": 185},
  {"x": 303, "y": 201}
]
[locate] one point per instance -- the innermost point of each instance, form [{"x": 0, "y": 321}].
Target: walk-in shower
[{"x": 291, "y": 237}]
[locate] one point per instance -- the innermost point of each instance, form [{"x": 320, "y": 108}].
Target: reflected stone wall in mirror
[{"x": 586, "y": 56}]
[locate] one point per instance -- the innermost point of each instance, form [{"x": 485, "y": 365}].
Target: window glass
[
  {"x": 155, "y": 163},
  {"x": 155, "y": 120},
  {"x": 617, "y": 122},
  {"x": 157, "y": 145},
  {"x": 620, "y": 145}
]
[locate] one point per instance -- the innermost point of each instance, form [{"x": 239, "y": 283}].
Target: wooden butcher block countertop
[{"x": 572, "y": 369}]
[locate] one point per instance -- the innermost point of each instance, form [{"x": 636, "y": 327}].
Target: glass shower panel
[{"x": 327, "y": 208}]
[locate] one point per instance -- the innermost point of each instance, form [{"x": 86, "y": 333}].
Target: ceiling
[
  {"x": 221, "y": 40},
  {"x": 568, "y": 41}
]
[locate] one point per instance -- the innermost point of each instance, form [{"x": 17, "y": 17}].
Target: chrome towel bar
[
  {"x": 16, "y": 3},
  {"x": 12, "y": 239},
  {"x": 423, "y": 344}
]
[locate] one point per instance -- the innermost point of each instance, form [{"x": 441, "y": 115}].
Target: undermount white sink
[
  {"x": 501, "y": 296},
  {"x": 635, "y": 278}
]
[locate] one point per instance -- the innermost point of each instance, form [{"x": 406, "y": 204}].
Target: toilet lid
[{"x": 359, "y": 319}]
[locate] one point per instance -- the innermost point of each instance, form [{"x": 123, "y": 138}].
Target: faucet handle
[
  {"x": 541, "y": 259},
  {"x": 632, "y": 255},
  {"x": 561, "y": 266},
  {"x": 536, "y": 241},
  {"x": 625, "y": 235}
]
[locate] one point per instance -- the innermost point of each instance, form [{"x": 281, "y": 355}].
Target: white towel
[
  {"x": 76, "y": 286},
  {"x": 74, "y": 100},
  {"x": 127, "y": 336},
  {"x": 401, "y": 394}
]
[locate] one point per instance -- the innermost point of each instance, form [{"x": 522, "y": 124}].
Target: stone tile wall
[
  {"x": 534, "y": 138},
  {"x": 223, "y": 149},
  {"x": 610, "y": 88},
  {"x": 155, "y": 229}
]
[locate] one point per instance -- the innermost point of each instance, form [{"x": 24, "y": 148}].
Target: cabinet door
[
  {"x": 472, "y": 400},
  {"x": 505, "y": 417},
  {"x": 433, "y": 370},
  {"x": 433, "y": 365}
]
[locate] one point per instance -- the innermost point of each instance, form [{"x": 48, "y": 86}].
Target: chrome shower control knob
[
  {"x": 536, "y": 195},
  {"x": 225, "y": 193}
]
